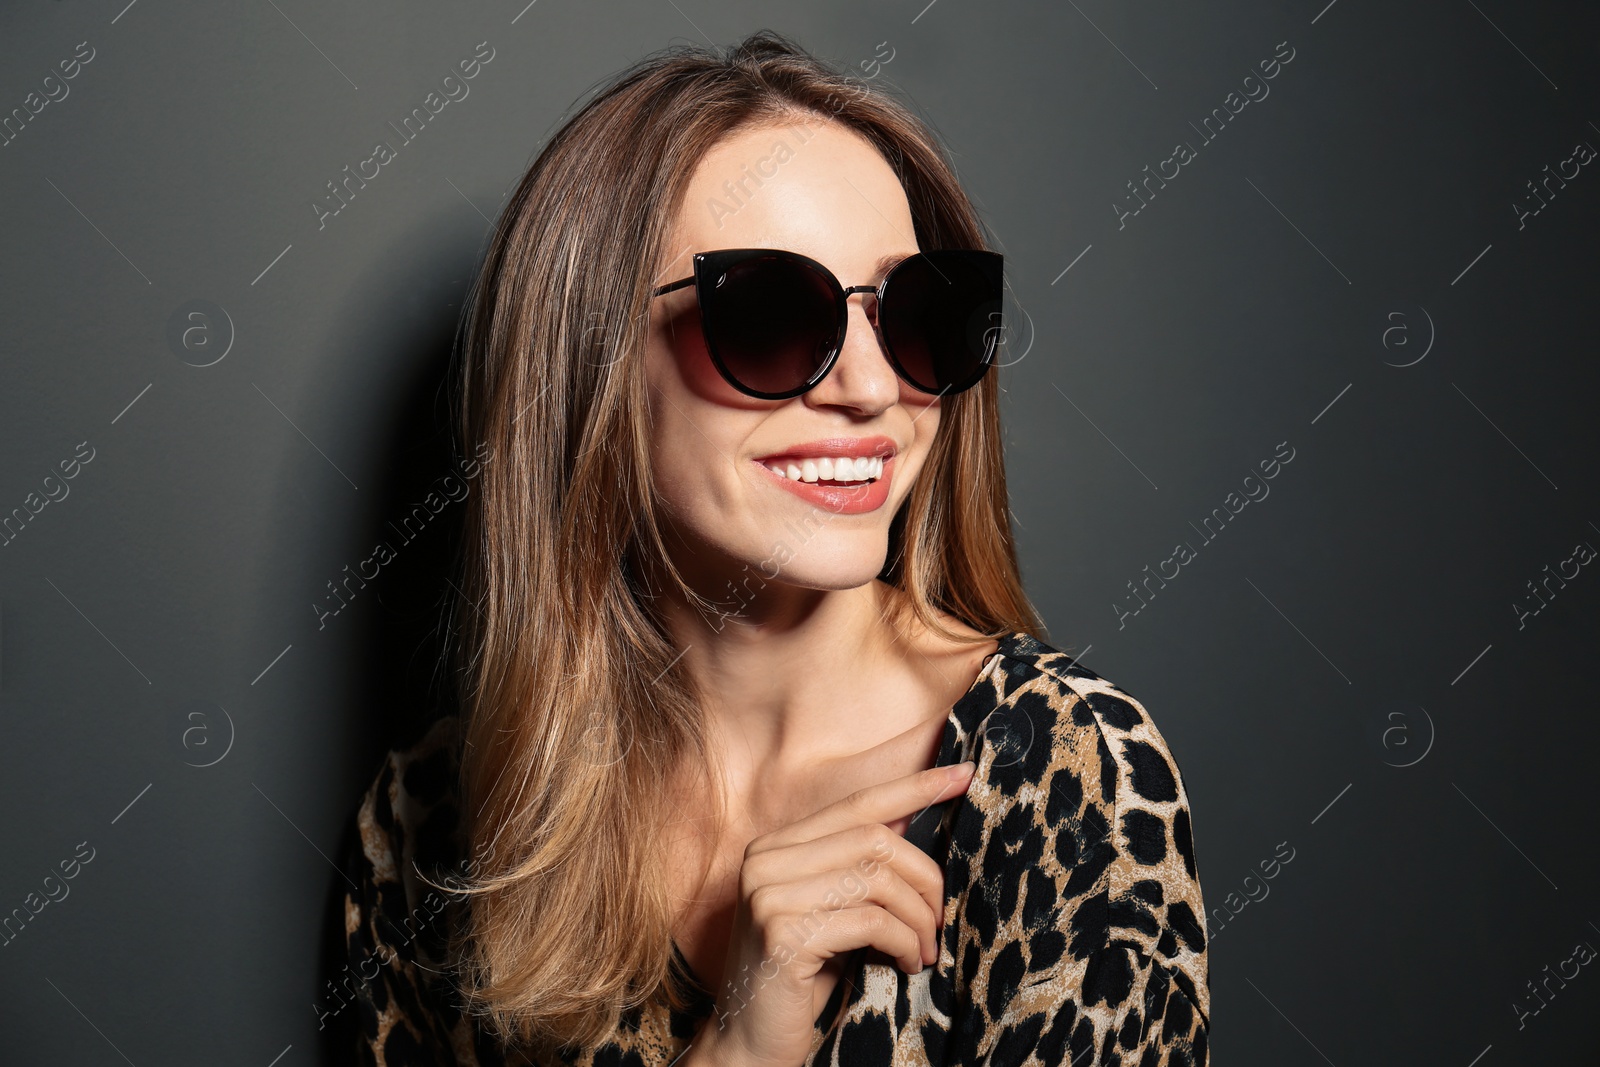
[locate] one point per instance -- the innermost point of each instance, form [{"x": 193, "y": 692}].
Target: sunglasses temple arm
[{"x": 671, "y": 286}]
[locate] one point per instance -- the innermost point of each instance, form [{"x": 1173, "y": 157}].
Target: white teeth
[{"x": 830, "y": 468}]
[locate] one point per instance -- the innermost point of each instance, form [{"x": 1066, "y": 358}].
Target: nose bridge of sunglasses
[{"x": 868, "y": 301}]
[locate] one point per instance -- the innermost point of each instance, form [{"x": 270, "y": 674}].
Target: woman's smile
[
  {"x": 853, "y": 497},
  {"x": 846, "y": 475}
]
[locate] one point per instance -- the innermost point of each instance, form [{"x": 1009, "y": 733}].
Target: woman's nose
[{"x": 862, "y": 376}]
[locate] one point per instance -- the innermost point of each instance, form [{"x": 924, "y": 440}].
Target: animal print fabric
[{"x": 1072, "y": 934}]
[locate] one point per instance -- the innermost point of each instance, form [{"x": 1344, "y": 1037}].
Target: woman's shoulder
[
  {"x": 398, "y": 926},
  {"x": 409, "y": 816},
  {"x": 1040, "y": 692},
  {"x": 1081, "y": 829},
  {"x": 1039, "y": 699}
]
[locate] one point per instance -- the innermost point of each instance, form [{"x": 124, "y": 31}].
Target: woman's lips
[{"x": 839, "y": 499}]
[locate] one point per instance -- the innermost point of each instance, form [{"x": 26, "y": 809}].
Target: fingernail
[{"x": 962, "y": 770}]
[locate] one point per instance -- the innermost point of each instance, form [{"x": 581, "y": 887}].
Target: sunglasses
[{"x": 774, "y": 320}]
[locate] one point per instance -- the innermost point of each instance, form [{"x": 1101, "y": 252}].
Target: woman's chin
[{"x": 820, "y": 569}]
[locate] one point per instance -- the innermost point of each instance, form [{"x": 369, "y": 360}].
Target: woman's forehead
[{"x": 818, "y": 189}]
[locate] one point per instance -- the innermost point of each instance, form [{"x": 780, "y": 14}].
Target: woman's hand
[{"x": 837, "y": 880}]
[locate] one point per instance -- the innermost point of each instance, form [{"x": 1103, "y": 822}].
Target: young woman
[{"x": 760, "y": 761}]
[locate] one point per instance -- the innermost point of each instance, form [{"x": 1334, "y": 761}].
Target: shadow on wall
[{"x": 396, "y": 596}]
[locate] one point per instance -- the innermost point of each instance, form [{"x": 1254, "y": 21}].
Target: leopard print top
[{"x": 1072, "y": 925}]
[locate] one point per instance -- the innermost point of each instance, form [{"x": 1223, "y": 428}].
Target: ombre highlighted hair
[{"x": 577, "y": 707}]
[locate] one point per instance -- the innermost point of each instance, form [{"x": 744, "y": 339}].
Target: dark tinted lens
[
  {"x": 772, "y": 321},
  {"x": 940, "y": 316}
]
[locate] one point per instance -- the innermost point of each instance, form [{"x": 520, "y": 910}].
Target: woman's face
[{"x": 823, "y": 191}]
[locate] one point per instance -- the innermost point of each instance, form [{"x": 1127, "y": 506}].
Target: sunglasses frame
[{"x": 709, "y": 267}]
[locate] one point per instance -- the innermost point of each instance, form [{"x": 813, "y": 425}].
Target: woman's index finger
[{"x": 883, "y": 803}]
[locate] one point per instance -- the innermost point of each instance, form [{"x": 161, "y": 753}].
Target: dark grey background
[{"x": 1359, "y": 617}]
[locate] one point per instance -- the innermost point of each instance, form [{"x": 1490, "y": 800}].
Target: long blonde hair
[{"x": 576, "y": 704}]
